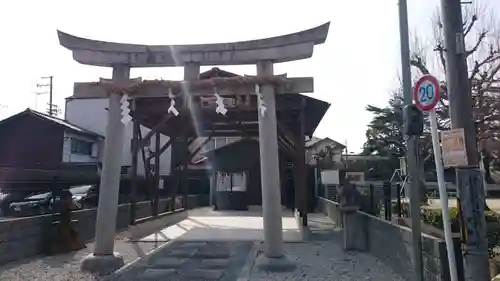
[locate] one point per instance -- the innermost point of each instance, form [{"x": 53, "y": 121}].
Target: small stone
[
  {"x": 215, "y": 263},
  {"x": 169, "y": 263},
  {"x": 205, "y": 274},
  {"x": 155, "y": 274}
]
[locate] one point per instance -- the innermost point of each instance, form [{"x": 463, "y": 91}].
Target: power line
[{"x": 53, "y": 108}]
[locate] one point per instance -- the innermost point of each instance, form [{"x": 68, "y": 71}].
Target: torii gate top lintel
[{"x": 290, "y": 47}]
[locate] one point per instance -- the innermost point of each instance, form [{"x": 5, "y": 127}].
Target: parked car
[
  {"x": 84, "y": 196},
  {"x": 6, "y": 199},
  {"x": 35, "y": 204}
]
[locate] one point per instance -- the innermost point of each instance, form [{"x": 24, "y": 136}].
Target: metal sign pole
[{"x": 443, "y": 195}]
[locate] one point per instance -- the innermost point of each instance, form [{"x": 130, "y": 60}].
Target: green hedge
[{"x": 434, "y": 217}]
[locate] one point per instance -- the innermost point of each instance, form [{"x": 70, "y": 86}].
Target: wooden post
[
  {"x": 133, "y": 178},
  {"x": 157, "y": 174},
  {"x": 184, "y": 174},
  {"x": 301, "y": 191}
]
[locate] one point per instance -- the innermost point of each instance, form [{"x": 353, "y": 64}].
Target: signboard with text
[{"x": 453, "y": 148}]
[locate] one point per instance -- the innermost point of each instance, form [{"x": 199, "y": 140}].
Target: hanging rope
[
  {"x": 221, "y": 109},
  {"x": 261, "y": 103},
  {"x": 125, "y": 109}
]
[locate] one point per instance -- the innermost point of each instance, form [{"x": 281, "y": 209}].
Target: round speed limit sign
[{"x": 426, "y": 92}]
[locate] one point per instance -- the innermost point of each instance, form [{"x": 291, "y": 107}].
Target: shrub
[{"x": 435, "y": 218}]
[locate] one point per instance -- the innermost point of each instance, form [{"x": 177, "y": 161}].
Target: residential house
[
  {"x": 92, "y": 115},
  {"x": 36, "y": 148},
  {"x": 323, "y": 151}
]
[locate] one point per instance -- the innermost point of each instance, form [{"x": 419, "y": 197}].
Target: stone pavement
[
  {"x": 319, "y": 258},
  {"x": 182, "y": 261}
]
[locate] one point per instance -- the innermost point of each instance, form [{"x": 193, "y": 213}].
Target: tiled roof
[{"x": 58, "y": 121}]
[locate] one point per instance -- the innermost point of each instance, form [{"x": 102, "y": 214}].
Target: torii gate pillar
[
  {"x": 273, "y": 257},
  {"x": 103, "y": 258}
]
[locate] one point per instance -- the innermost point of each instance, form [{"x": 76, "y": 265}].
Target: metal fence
[{"x": 380, "y": 199}]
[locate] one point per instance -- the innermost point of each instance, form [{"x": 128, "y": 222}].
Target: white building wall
[
  {"x": 69, "y": 157},
  {"x": 91, "y": 114}
]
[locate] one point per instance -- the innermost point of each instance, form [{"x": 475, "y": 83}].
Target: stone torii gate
[{"x": 122, "y": 57}]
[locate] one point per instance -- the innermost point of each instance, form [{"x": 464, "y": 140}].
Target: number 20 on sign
[{"x": 426, "y": 93}]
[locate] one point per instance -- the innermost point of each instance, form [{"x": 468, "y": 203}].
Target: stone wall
[
  {"x": 24, "y": 237},
  {"x": 392, "y": 244}
]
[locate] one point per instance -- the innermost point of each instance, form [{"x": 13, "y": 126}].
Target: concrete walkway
[
  {"x": 223, "y": 246},
  {"x": 204, "y": 224}
]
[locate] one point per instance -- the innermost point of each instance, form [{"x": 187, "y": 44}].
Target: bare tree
[{"x": 483, "y": 57}]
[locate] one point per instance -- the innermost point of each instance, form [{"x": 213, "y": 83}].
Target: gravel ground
[
  {"x": 325, "y": 260},
  {"x": 66, "y": 267},
  {"x": 322, "y": 258}
]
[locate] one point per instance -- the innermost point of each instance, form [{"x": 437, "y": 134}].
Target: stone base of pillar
[
  {"x": 102, "y": 264},
  {"x": 281, "y": 264}
]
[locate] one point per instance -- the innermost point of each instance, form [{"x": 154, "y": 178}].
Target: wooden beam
[
  {"x": 99, "y": 90},
  {"x": 184, "y": 175},
  {"x": 157, "y": 174},
  {"x": 287, "y": 133},
  {"x": 285, "y": 146},
  {"x": 157, "y": 127},
  {"x": 133, "y": 180},
  {"x": 192, "y": 154},
  {"x": 162, "y": 149},
  {"x": 301, "y": 170},
  {"x": 147, "y": 168}
]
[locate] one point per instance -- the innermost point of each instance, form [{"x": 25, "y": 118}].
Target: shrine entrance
[
  {"x": 266, "y": 106},
  {"x": 216, "y": 107}
]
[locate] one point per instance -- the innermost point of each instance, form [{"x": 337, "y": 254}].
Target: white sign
[
  {"x": 330, "y": 176},
  {"x": 453, "y": 146}
]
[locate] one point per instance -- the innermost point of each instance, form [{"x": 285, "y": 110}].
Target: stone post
[
  {"x": 104, "y": 259},
  {"x": 354, "y": 233},
  {"x": 273, "y": 258}
]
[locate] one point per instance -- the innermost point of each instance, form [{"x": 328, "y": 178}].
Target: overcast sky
[{"x": 358, "y": 65}]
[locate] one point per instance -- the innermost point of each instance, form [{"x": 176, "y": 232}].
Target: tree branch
[
  {"x": 479, "y": 41},
  {"x": 417, "y": 62},
  {"x": 468, "y": 27}
]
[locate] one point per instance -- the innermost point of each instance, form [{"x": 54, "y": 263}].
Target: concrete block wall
[
  {"x": 392, "y": 244},
  {"x": 24, "y": 237}
]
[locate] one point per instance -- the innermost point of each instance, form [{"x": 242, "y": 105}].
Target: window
[
  {"x": 210, "y": 145},
  {"x": 220, "y": 141},
  {"x": 81, "y": 147}
]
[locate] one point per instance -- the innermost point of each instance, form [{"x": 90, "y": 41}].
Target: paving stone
[
  {"x": 168, "y": 263},
  {"x": 205, "y": 274},
  {"x": 182, "y": 253},
  {"x": 192, "y": 245},
  {"x": 213, "y": 254},
  {"x": 215, "y": 263},
  {"x": 156, "y": 274}
]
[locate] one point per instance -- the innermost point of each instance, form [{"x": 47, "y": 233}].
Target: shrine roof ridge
[
  {"x": 282, "y": 48},
  {"x": 225, "y": 86}
]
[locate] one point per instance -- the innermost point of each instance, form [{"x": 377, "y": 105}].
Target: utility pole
[
  {"x": 469, "y": 181},
  {"x": 51, "y": 111},
  {"x": 411, "y": 145}
]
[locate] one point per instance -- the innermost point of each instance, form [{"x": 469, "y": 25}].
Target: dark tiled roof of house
[
  {"x": 58, "y": 121},
  {"x": 315, "y": 140}
]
